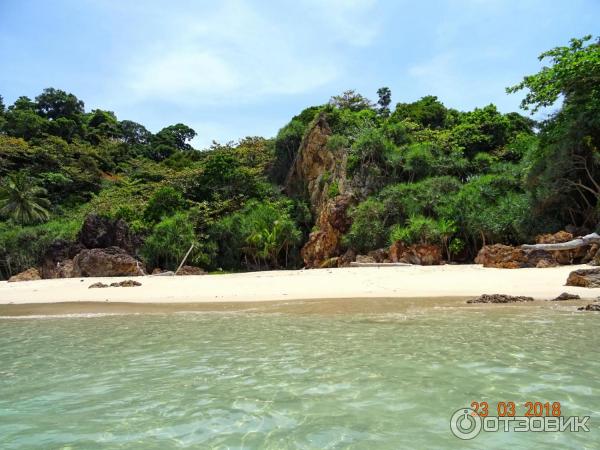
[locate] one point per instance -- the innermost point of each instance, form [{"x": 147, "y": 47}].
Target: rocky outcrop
[
  {"x": 106, "y": 262},
  {"x": 332, "y": 223},
  {"x": 508, "y": 257},
  {"x": 57, "y": 261},
  {"x": 419, "y": 254},
  {"x": 348, "y": 257},
  {"x": 500, "y": 298},
  {"x": 191, "y": 270},
  {"x": 30, "y": 274},
  {"x": 566, "y": 296},
  {"x": 102, "y": 232},
  {"x": 564, "y": 257},
  {"x": 589, "y": 278},
  {"x": 318, "y": 174},
  {"x": 317, "y": 167}
]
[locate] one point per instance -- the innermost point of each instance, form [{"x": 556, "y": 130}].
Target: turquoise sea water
[{"x": 277, "y": 381}]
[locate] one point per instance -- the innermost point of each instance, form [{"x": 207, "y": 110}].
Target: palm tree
[
  {"x": 446, "y": 228},
  {"x": 23, "y": 201}
]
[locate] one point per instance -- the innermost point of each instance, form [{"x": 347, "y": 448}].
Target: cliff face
[
  {"x": 317, "y": 167},
  {"x": 319, "y": 174}
]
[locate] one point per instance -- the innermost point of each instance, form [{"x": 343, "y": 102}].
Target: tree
[
  {"x": 428, "y": 112},
  {"x": 385, "y": 98},
  {"x": 575, "y": 72},
  {"x": 351, "y": 100},
  {"x": 163, "y": 203},
  {"x": 54, "y": 103},
  {"x": 132, "y": 133},
  {"x": 23, "y": 201},
  {"x": 565, "y": 166},
  {"x": 171, "y": 139},
  {"x": 2, "y": 107},
  {"x": 260, "y": 235}
]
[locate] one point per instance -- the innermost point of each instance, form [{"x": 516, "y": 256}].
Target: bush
[
  {"x": 170, "y": 240},
  {"x": 164, "y": 202},
  {"x": 261, "y": 235},
  {"x": 22, "y": 247},
  {"x": 368, "y": 231}
]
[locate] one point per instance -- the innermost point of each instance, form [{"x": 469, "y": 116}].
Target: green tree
[
  {"x": 55, "y": 103},
  {"x": 351, "y": 100},
  {"x": 169, "y": 241},
  {"x": 163, "y": 203},
  {"x": 385, "y": 98},
  {"x": 565, "y": 166},
  {"x": 23, "y": 201}
]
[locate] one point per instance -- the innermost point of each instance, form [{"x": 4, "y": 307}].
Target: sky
[{"x": 236, "y": 68}]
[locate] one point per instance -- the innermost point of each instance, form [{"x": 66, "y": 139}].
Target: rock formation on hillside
[
  {"x": 318, "y": 173},
  {"x": 102, "y": 232}
]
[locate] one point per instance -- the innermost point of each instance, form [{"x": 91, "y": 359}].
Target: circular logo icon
[{"x": 465, "y": 424}]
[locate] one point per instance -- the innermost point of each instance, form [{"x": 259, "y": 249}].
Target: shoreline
[{"x": 255, "y": 290}]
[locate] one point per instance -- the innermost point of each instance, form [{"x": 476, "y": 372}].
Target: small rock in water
[
  {"x": 566, "y": 296},
  {"x": 97, "y": 285},
  {"x": 126, "y": 283},
  {"x": 499, "y": 298},
  {"x": 590, "y": 307}
]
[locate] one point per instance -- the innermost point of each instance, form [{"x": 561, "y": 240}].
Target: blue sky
[{"x": 233, "y": 68}]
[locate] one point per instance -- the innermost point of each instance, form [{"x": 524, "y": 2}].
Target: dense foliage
[{"x": 420, "y": 172}]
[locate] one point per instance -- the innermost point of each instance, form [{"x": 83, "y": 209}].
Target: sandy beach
[{"x": 233, "y": 291}]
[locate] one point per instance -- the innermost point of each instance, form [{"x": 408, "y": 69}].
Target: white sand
[{"x": 363, "y": 282}]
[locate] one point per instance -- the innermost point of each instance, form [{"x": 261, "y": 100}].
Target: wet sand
[{"x": 300, "y": 307}]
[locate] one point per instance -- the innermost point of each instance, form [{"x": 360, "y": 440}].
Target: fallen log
[{"x": 588, "y": 239}]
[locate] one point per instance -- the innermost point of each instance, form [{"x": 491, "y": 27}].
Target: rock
[
  {"x": 332, "y": 223},
  {"x": 364, "y": 259},
  {"x": 589, "y": 278},
  {"x": 157, "y": 270},
  {"x": 57, "y": 261},
  {"x": 330, "y": 263},
  {"x": 556, "y": 238},
  {"x": 545, "y": 263},
  {"x": 564, "y": 257},
  {"x": 102, "y": 232},
  {"x": 592, "y": 256},
  {"x": 590, "y": 307},
  {"x": 380, "y": 255},
  {"x": 106, "y": 262},
  {"x": 30, "y": 274},
  {"x": 317, "y": 167},
  {"x": 348, "y": 257},
  {"x": 566, "y": 296},
  {"x": 508, "y": 257},
  {"x": 499, "y": 298},
  {"x": 97, "y": 285},
  {"x": 126, "y": 283},
  {"x": 191, "y": 270},
  {"x": 419, "y": 254}
]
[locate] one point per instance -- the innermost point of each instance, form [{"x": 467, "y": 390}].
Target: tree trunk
[{"x": 593, "y": 238}]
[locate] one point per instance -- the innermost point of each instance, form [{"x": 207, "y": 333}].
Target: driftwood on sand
[{"x": 588, "y": 239}]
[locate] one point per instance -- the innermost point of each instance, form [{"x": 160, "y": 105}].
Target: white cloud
[{"x": 236, "y": 52}]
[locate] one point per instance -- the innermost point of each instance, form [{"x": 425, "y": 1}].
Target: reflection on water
[{"x": 238, "y": 380}]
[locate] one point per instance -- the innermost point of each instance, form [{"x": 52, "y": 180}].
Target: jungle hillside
[{"x": 339, "y": 180}]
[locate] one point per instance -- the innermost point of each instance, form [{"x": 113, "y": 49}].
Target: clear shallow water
[{"x": 286, "y": 381}]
